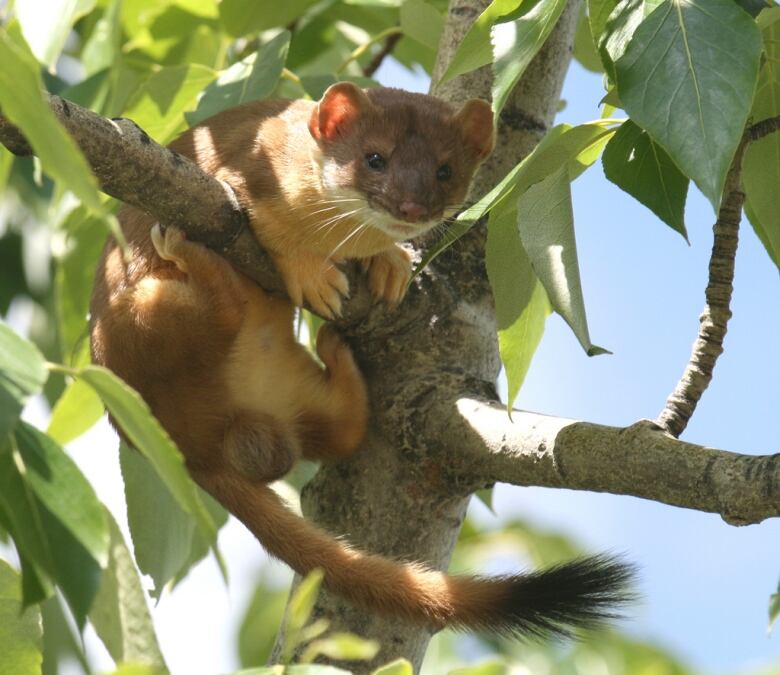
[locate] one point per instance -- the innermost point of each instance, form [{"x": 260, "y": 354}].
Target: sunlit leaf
[
  {"x": 158, "y": 107},
  {"x": 675, "y": 83},
  {"x": 20, "y": 628},
  {"x": 46, "y": 29},
  {"x": 516, "y": 42},
  {"x": 22, "y": 103},
  {"x": 475, "y": 49},
  {"x": 299, "y": 610},
  {"x": 76, "y": 412},
  {"x": 102, "y": 48},
  {"x": 397, "y": 667},
  {"x": 251, "y": 79},
  {"x": 341, "y": 647}
]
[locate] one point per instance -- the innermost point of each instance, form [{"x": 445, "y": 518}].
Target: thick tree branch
[
  {"x": 713, "y": 322},
  {"x": 641, "y": 460},
  {"x": 132, "y": 167}
]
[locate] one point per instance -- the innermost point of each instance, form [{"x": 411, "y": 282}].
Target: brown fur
[{"x": 215, "y": 357}]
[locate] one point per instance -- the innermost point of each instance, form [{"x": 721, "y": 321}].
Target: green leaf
[
  {"x": 266, "y": 608},
  {"x": 60, "y": 641},
  {"x": 676, "y": 84},
  {"x": 22, "y": 375},
  {"x": 397, "y": 667},
  {"x": 251, "y": 79},
  {"x": 74, "y": 277},
  {"x": 754, "y": 7},
  {"x": 774, "y": 608},
  {"x": 598, "y": 14},
  {"x": 145, "y": 433},
  {"x": 162, "y": 531},
  {"x": 20, "y": 628},
  {"x": 341, "y": 647},
  {"x": 761, "y": 168},
  {"x": 574, "y": 147},
  {"x": 54, "y": 518},
  {"x": 522, "y": 306},
  {"x": 308, "y": 669},
  {"x": 299, "y": 610},
  {"x": 75, "y": 412},
  {"x": 158, "y": 107},
  {"x": 241, "y": 17},
  {"x": 23, "y": 104},
  {"x": 584, "y": 47},
  {"x": 46, "y": 28},
  {"x": 636, "y": 164},
  {"x": 546, "y": 224},
  {"x": 475, "y": 49},
  {"x": 620, "y": 28},
  {"x": 516, "y": 42},
  {"x": 103, "y": 47},
  {"x": 119, "y": 614},
  {"x": 494, "y": 667},
  {"x": 422, "y": 22}
]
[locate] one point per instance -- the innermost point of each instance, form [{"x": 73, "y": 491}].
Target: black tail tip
[{"x": 554, "y": 603}]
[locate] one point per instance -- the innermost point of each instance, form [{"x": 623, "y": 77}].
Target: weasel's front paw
[
  {"x": 316, "y": 281},
  {"x": 389, "y": 273}
]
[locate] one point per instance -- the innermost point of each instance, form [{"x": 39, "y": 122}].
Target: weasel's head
[{"x": 409, "y": 157}]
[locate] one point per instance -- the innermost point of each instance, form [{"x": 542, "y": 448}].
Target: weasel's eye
[
  {"x": 444, "y": 172},
  {"x": 375, "y": 161}
]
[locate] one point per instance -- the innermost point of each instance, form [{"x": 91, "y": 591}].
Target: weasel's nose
[{"x": 413, "y": 212}]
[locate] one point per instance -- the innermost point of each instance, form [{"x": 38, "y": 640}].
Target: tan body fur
[{"x": 215, "y": 356}]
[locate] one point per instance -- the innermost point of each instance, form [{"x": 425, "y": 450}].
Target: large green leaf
[
  {"x": 158, "y": 107},
  {"x": 20, "y": 628},
  {"x": 516, "y": 42},
  {"x": 46, "y": 27},
  {"x": 119, "y": 614},
  {"x": 397, "y": 667},
  {"x": 475, "y": 50},
  {"x": 76, "y": 411},
  {"x": 546, "y": 224},
  {"x": 687, "y": 77},
  {"x": 620, "y": 27},
  {"x": 422, "y": 22},
  {"x": 145, "y": 433},
  {"x": 251, "y": 79},
  {"x": 521, "y": 303},
  {"x": 162, "y": 531},
  {"x": 22, "y": 374},
  {"x": 54, "y": 517},
  {"x": 636, "y": 164},
  {"x": 23, "y": 104},
  {"x": 241, "y": 17},
  {"x": 761, "y": 170},
  {"x": 573, "y": 147}
]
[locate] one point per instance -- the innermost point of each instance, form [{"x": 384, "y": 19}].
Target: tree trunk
[{"x": 404, "y": 494}]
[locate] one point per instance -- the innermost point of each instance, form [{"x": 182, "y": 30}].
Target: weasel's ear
[
  {"x": 340, "y": 106},
  {"x": 476, "y": 120}
]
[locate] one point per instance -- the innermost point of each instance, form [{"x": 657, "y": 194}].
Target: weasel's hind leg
[{"x": 335, "y": 425}]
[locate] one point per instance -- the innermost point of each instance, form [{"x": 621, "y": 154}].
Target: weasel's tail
[{"x": 547, "y": 603}]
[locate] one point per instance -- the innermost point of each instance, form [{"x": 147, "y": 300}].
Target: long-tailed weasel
[{"x": 215, "y": 357}]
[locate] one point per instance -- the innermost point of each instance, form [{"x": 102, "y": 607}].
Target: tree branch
[
  {"x": 641, "y": 460},
  {"x": 713, "y": 322},
  {"x": 135, "y": 169},
  {"x": 373, "y": 65}
]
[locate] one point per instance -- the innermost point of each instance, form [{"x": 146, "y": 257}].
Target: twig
[
  {"x": 362, "y": 49},
  {"x": 714, "y": 318},
  {"x": 390, "y": 42}
]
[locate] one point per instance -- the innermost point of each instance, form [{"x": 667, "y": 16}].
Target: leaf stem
[{"x": 359, "y": 51}]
